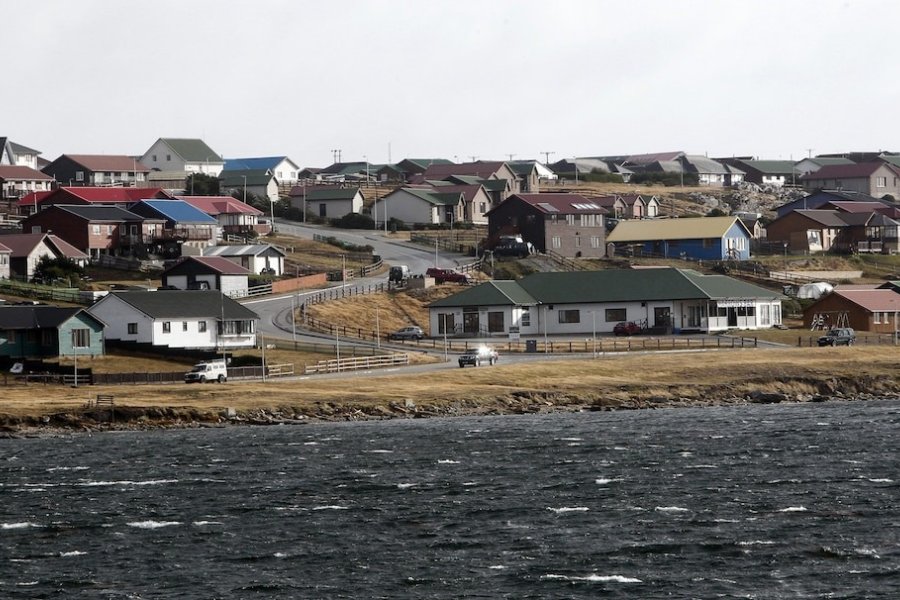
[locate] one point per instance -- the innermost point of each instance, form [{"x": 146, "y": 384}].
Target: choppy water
[{"x": 786, "y": 501}]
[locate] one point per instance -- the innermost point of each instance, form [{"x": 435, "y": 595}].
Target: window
[
  {"x": 184, "y": 326},
  {"x": 615, "y": 315},
  {"x": 880, "y": 181},
  {"x": 154, "y": 158},
  {"x": 570, "y": 220},
  {"x": 81, "y": 338},
  {"x": 525, "y": 320},
  {"x": 482, "y": 207},
  {"x": 167, "y": 327},
  {"x": 132, "y": 329},
  {"x": 201, "y": 326},
  {"x": 495, "y": 322},
  {"x": 446, "y": 323},
  {"x": 168, "y": 157},
  {"x": 577, "y": 241},
  {"x": 557, "y": 241},
  {"x": 595, "y": 241},
  {"x": 95, "y": 229},
  {"x": 323, "y": 209},
  {"x": 569, "y": 316}
]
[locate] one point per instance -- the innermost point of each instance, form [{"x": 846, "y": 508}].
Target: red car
[
  {"x": 627, "y": 328},
  {"x": 451, "y": 275}
]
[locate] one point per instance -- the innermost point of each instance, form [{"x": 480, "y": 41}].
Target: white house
[
  {"x": 328, "y": 201},
  {"x": 256, "y": 258},
  {"x": 179, "y": 154},
  {"x": 421, "y": 205},
  {"x": 5, "y": 253},
  {"x": 664, "y": 299},
  {"x": 191, "y": 319},
  {"x": 282, "y": 168},
  {"x": 208, "y": 273}
]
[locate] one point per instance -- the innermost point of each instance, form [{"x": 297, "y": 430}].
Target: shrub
[{"x": 354, "y": 221}]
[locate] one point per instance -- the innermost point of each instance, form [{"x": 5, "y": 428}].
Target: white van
[{"x": 214, "y": 370}]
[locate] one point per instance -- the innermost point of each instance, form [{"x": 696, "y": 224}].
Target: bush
[{"x": 354, "y": 221}]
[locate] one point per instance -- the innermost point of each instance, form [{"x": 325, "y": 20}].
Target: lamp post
[
  {"x": 444, "y": 319},
  {"x": 377, "y": 331},
  {"x": 245, "y": 188},
  {"x": 294, "y": 320},
  {"x": 594, "y": 332}
]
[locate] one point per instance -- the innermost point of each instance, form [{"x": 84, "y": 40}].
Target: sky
[{"x": 383, "y": 80}]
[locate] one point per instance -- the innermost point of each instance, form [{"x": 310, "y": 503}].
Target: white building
[{"x": 178, "y": 154}]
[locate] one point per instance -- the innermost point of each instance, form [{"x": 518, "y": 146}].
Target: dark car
[
  {"x": 839, "y": 336},
  {"x": 408, "y": 333},
  {"x": 478, "y": 356},
  {"x": 445, "y": 275},
  {"x": 627, "y": 328}
]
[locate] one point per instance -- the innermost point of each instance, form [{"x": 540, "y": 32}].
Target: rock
[{"x": 768, "y": 397}]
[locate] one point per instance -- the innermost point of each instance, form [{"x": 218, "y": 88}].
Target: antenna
[
  {"x": 809, "y": 152},
  {"x": 547, "y": 154},
  {"x": 510, "y": 156},
  {"x": 474, "y": 158}
]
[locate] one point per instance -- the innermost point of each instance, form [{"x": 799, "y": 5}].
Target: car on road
[
  {"x": 408, "y": 333},
  {"x": 478, "y": 357},
  {"x": 626, "y": 328},
  {"x": 208, "y": 372},
  {"x": 448, "y": 275},
  {"x": 839, "y": 336}
]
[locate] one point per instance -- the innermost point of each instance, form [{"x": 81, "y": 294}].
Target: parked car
[
  {"x": 451, "y": 275},
  {"x": 408, "y": 333},
  {"x": 478, "y": 357},
  {"x": 211, "y": 371},
  {"x": 627, "y": 328},
  {"x": 398, "y": 274},
  {"x": 839, "y": 336}
]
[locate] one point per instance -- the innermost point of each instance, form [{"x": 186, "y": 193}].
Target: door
[
  {"x": 662, "y": 317},
  {"x": 470, "y": 321}
]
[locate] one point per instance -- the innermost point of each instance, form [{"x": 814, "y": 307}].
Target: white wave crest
[
  {"x": 604, "y": 480},
  {"x": 206, "y": 523},
  {"x": 595, "y": 578},
  {"x": 152, "y": 524},
  {"x": 793, "y": 509},
  {"x": 126, "y": 482},
  {"x": 72, "y": 553},
  {"x": 331, "y": 507},
  {"x": 404, "y": 486},
  {"x": 882, "y": 480},
  {"x": 756, "y": 543},
  {"x": 448, "y": 462},
  {"x": 568, "y": 509},
  {"x": 22, "y": 525},
  {"x": 671, "y": 509}
]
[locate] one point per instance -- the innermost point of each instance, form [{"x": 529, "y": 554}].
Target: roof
[
  {"x": 235, "y": 178},
  {"x": 220, "y": 205},
  {"x": 643, "y": 159},
  {"x": 95, "y": 212},
  {"x": 560, "y": 204},
  {"x": 328, "y": 193},
  {"x": 261, "y": 163},
  {"x": 350, "y": 168},
  {"x": 36, "y": 316},
  {"x": 881, "y": 300},
  {"x": 18, "y": 172},
  {"x": 433, "y": 196},
  {"x": 242, "y": 250},
  {"x": 845, "y": 171},
  {"x": 106, "y": 195},
  {"x": 827, "y": 160},
  {"x": 193, "y": 150},
  {"x": 672, "y": 229},
  {"x": 491, "y": 293},
  {"x": 857, "y": 207},
  {"x": 771, "y": 167},
  {"x": 32, "y": 198},
  {"x": 829, "y": 218},
  {"x": 483, "y": 169},
  {"x": 20, "y": 149},
  {"x": 216, "y": 264},
  {"x": 22, "y": 244},
  {"x": 612, "y": 285},
  {"x": 182, "y": 304},
  {"x": 175, "y": 210},
  {"x": 107, "y": 162},
  {"x": 702, "y": 164}
]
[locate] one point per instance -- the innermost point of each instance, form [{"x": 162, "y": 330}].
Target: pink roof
[
  {"x": 102, "y": 195},
  {"x": 21, "y": 244},
  {"x": 872, "y": 300},
  {"x": 33, "y": 198},
  {"x": 5, "y": 249},
  {"x": 19, "y": 172},
  {"x": 221, "y": 265},
  {"x": 108, "y": 162},
  {"x": 857, "y": 207},
  {"x": 220, "y": 205},
  {"x": 846, "y": 171}
]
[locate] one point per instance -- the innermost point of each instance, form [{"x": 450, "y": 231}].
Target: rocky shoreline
[{"x": 636, "y": 397}]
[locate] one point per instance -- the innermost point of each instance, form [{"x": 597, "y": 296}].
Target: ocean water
[{"x": 761, "y": 501}]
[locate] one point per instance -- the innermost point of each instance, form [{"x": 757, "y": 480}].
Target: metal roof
[
  {"x": 183, "y": 304},
  {"x": 174, "y": 210},
  {"x": 242, "y": 250},
  {"x": 672, "y": 229}
]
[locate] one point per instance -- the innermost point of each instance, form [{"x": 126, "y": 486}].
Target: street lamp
[
  {"x": 245, "y": 188},
  {"x": 594, "y": 332}
]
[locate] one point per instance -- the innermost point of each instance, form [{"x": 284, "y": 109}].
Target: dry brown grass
[{"x": 610, "y": 376}]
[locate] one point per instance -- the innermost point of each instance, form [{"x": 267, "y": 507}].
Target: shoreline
[{"x": 782, "y": 388}]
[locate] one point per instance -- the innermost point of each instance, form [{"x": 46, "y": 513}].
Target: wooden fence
[
  {"x": 879, "y": 339},
  {"x": 628, "y": 344},
  {"x": 358, "y": 363}
]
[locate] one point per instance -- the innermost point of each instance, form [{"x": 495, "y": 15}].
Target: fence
[
  {"x": 249, "y": 372},
  {"x": 355, "y": 364},
  {"x": 883, "y": 339},
  {"x": 448, "y": 244},
  {"x": 42, "y": 292},
  {"x": 589, "y": 345},
  {"x": 345, "y": 291}
]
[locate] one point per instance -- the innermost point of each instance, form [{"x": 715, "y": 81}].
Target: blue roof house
[
  {"x": 184, "y": 225},
  {"x": 705, "y": 238}
]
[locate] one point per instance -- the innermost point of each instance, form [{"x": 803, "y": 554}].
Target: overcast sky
[{"x": 388, "y": 79}]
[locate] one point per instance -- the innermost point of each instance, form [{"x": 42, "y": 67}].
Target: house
[
  {"x": 183, "y": 225},
  {"x": 821, "y": 198},
  {"x": 351, "y": 171},
  {"x": 5, "y": 254},
  {"x": 579, "y": 167},
  {"x": 17, "y": 155},
  {"x": 589, "y": 302},
  {"x": 180, "y": 154},
  {"x": 640, "y": 206},
  {"x": 614, "y": 205},
  {"x": 208, "y": 273},
  {"x": 42, "y": 331},
  {"x": 256, "y": 258},
  {"x": 282, "y": 168},
  {"x": 476, "y": 199},
  {"x": 811, "y": 231},
  {"x": 566, "y": 224},
  {"x": 813, "y": 164},
  {"x": 543, "y": 172},
  {"x": 875, "y": 310},
  {"x": 415, "y": 204},
  {"x": 527, "y": 173},
  {"x": 406, "y": 168},
  {"x": 234, "y": 217},
  {"x": 176, "y": 319},
  {"x": 878, "y": 179},
  {"x": 257, "y": 182},
  {"x": 481, "y": 170},
  {"x": 16, "y": 182},
  {"x": 27, "y": 204},
  {"x": 98, "y": 170},
  {"x": 711, "y": 172},
  {"x": 775, "y": 173},
  {"x": 328, "y": 201},
  {"x": 123, "y": 197},
  {"x": 94, "y": 229},
  {"x": 707, "y": 238},
  {"x": 27, "y": 250}
]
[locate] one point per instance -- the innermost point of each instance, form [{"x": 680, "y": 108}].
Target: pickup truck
[{"x": 478, "y": 356}]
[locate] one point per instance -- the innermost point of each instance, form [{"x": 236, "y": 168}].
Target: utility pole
[
  {"x": 474, "y": 158},
  {"x": 510, "y": 156},
  {"x": 547, "y": 154}
]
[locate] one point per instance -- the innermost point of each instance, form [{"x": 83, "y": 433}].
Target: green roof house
[
  {"x": 180, "y": 154},
  {"x": 664, "y": 299}
]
